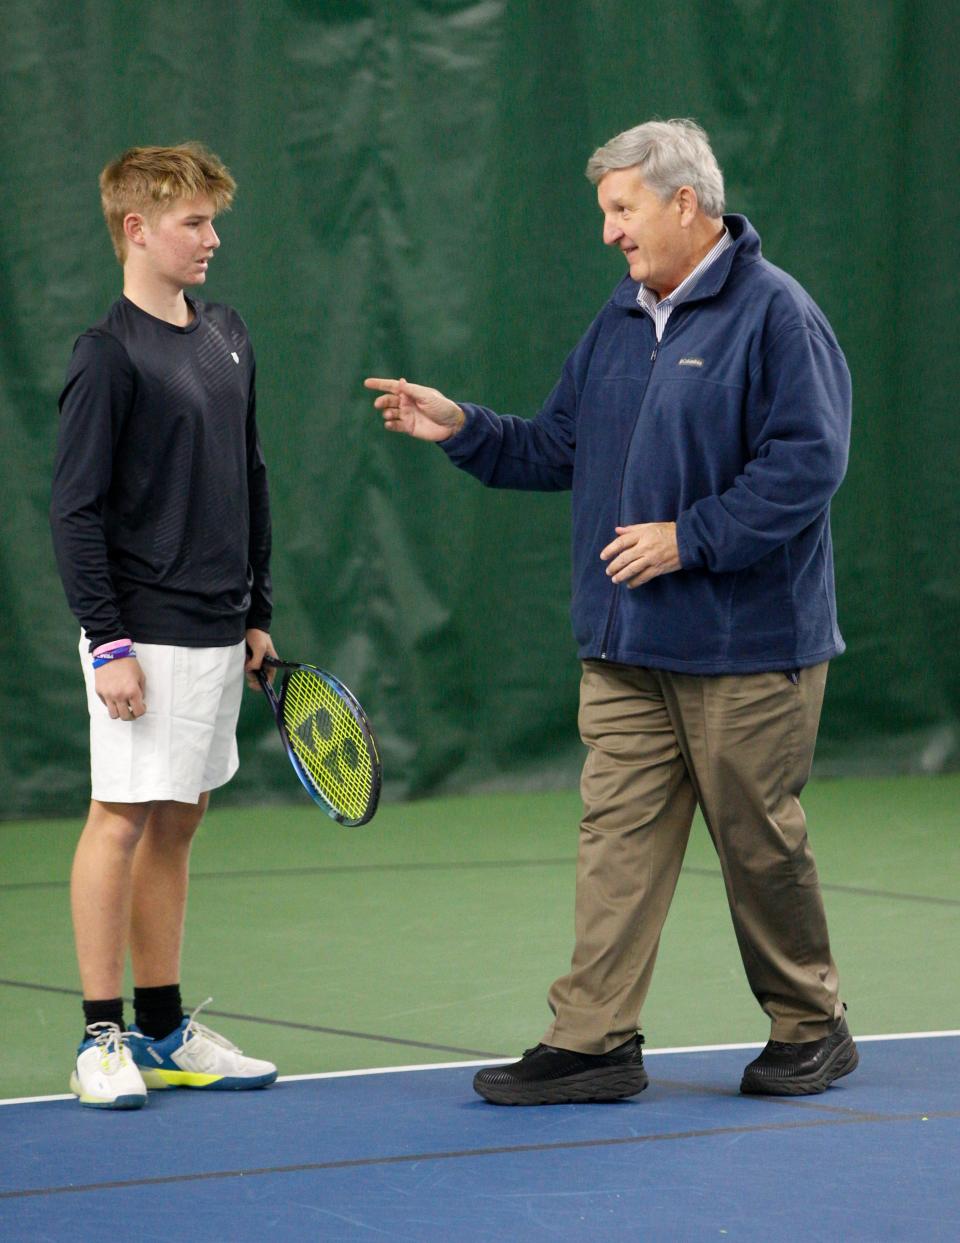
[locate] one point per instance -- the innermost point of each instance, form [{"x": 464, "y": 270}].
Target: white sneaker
[
  {"x": 193, "y": 1056},
  {"x": 106, "y": 1076}
]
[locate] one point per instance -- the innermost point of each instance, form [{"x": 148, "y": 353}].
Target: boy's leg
[
  {"x": 173, "y": 1051},
  {"x": 105, "y": 1076},
  {"x": 101, "y": 888},
  {"x": 160, "y": 883},
  {"x": 184, "y": 746}
]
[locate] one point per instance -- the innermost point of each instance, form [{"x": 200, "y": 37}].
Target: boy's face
[{"x": 177, "y": 245}]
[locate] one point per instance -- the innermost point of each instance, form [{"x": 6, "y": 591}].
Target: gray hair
[{"x": 668, "y": 155}]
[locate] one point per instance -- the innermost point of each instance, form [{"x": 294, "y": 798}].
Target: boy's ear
[{"x": 133, "y": 228}]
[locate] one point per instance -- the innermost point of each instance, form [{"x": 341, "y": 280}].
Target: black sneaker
[
  {"x": 549, "y": 1076},
  {"x": 801, "y": 1069}
]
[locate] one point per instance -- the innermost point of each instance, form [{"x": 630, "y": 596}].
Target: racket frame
[{"x": 350, "y": 701}]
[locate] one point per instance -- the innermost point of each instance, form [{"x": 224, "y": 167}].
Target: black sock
[
  {"x": 110, "y": 1011},
  {"x": 158, "y": 1011}
]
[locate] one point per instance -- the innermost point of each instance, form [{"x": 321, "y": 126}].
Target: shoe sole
[
  {"x": 159, "y": 1080},
  {"x": 133, "y": 1100},
  {"x": 844, "y": 1059},
  {"x": 613, "y": 1084}
]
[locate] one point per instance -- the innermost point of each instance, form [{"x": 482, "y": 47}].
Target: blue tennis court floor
[{"x": 413, "y": 1155}]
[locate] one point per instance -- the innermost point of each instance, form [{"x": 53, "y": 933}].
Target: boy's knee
[
  {"x": 177, "y": 819},
  {"x": 120, "y": 823}
]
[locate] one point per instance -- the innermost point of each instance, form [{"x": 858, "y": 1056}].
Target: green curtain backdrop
[{"x": 412, "y": 201}]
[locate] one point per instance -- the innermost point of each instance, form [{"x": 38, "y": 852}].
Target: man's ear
[
  {"x": 133, "y": 228},
  {"x": 688, "y": 205}
]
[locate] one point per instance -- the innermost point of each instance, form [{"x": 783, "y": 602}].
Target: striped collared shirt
[{"x": 660, "y": 311}]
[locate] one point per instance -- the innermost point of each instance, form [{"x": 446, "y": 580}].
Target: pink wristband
[{"x": 110, "y": 647}]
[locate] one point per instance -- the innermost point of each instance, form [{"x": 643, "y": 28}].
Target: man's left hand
[
  {"x": 259, "y": 644},
  {"x": 642, "y": 552}
]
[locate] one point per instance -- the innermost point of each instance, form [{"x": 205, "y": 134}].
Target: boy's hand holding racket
[
  {"x": 415, "y": 410},
  {"x": 259, "y": 646}
]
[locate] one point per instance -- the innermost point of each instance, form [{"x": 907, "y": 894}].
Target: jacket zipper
[{"x": 615, "y": 595}]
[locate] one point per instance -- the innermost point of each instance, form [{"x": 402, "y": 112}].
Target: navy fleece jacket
[{"x": 736, "y": 427}]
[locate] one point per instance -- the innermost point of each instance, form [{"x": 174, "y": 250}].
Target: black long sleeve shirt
[{"x": 160, "y": 511}]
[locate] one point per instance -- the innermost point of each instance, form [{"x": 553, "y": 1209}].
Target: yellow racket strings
[{"x": 329, "y": 743}]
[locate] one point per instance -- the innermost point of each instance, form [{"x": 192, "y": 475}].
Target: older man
[{"x": 703, "y": 425}]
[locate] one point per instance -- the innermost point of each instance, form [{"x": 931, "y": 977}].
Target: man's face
[
  {"x": 179, "y": 244},
  {"x": 646, "y": 229}
]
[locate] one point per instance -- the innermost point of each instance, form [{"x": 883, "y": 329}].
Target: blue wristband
[{"x": 118, "y": 653}]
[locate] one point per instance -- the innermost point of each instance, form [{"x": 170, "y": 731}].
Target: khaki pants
[{"x": 659, "y": 743}]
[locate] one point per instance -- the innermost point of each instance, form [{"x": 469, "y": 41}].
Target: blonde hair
[{"x": 149, "y": 180}]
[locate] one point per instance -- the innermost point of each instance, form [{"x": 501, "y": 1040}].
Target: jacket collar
[{"x": 746, "y": 247}]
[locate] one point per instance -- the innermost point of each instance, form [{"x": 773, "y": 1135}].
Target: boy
[{"x": 161, "y": 528}]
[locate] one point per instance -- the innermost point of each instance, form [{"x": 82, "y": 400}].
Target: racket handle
[
  {"x": 269, "y": 692},
  {"x": 276, "y": 663}
]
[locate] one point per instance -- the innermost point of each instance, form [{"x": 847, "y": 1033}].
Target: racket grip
[{"x": 269, "y": 692}]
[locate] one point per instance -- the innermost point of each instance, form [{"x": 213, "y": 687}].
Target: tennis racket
[{"x": 328, "y": 738}]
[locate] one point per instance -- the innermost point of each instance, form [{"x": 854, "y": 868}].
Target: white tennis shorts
[{"x": 186, "y": 741}]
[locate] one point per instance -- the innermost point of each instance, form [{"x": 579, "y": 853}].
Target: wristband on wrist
[
  {"x": 110, "y": 647},
  {"x": 116, "y": 653}
]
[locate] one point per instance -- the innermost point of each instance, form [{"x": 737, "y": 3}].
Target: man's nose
[
  {"x": 612, "y": 232},
  {"x": 211, "y": 239}
]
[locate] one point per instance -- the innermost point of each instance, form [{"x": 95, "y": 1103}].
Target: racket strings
[{"x": 329, "y": 742}]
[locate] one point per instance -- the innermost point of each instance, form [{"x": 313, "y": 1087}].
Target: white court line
[
  {"x": 502, "y": 1061},
  {"x": 400, "y": 1070}
]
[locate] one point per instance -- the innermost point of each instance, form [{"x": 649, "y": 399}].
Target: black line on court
[
  {"x": 334, "y": 870},
  {"x": 287, "y": 1023},
  {"x": 857, "y": 890},
  {"x": 467, "y": 1153},
  {"x": 478, "y": 865}
]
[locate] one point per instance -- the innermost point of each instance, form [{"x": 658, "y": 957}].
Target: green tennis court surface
[{"x": 433, "y": 933}]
